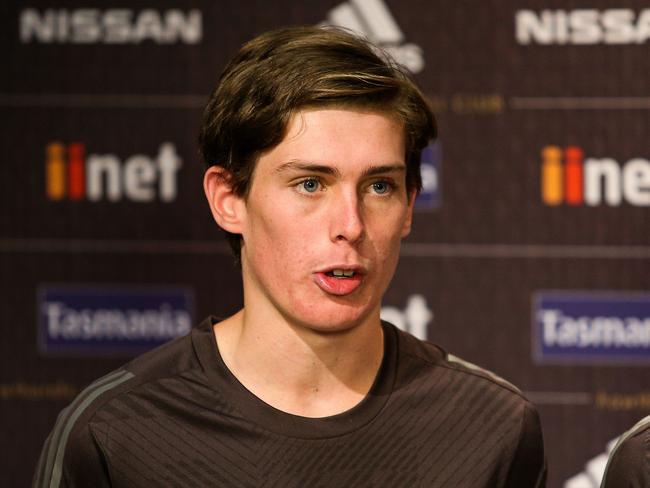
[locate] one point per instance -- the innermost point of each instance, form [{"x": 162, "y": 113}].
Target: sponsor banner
[
  {"x": 373, "y": 19},
  {"x": 583, "y": 26},
  {"x": 430, "y": 196},
  {"x": 111, "y": 26},
  {"x": 71, "y": 175},
  {"x": 87, "y": 320},
  {"x": 414, "y": 318},
  {"x": 591, "y": 327},
  {"x": 569, "y": 178}
]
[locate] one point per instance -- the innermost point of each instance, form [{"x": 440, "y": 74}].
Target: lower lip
[{"x": 337, "y": 286}]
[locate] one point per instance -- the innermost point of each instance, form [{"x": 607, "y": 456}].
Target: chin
[{"x": 334, "y": 319}]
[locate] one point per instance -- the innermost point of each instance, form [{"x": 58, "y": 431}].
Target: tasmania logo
[
  {"x": 90, "y": 319},
  {"x": 70, "y": 175},
  {"x": 568, "y": 178}
]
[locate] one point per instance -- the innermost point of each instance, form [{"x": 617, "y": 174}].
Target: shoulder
[
  {"x": 167, "y": 362},
  {"x": 427, "y": 369},
  {"x": 429, "y": 358},
  {"x": 480, "y": 403},
  {"x": 629, "y": 461},
  {"x": 74, "y": 447}
]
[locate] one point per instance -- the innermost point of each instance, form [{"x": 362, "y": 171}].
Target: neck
[{"x": 298, "y": 370}]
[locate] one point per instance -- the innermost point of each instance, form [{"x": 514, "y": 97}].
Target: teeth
[{"x": 348, "y": 273}]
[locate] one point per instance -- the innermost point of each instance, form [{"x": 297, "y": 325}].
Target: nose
[{"x": 346, "y": 218}]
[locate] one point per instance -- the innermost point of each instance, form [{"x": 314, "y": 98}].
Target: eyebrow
[
  {"x": 329, "y": 170},
  {"x": 387, "y": 168},
  {"x": 305, "y": 166}
]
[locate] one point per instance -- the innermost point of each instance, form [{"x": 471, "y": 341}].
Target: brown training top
[{"x": 176, "y": 416}]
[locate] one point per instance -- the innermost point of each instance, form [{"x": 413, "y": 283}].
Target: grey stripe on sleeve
[{"x": 54, "y": 466}]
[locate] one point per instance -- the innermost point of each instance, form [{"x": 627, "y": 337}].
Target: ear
[
  {"x": 408, "y": 221},
  {"x": 228, "y": 209}
]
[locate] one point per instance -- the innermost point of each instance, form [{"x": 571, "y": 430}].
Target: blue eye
[
  {"x": 381, "y": 187},
  {"x": 310, "y": 186}
]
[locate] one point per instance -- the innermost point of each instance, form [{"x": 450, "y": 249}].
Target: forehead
[{"x": 340, "y": 136}]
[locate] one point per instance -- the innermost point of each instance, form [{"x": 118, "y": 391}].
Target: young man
[{"x": 312, "y": 141}]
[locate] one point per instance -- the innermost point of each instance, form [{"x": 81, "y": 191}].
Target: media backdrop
[{"x": 530, "y": 253}]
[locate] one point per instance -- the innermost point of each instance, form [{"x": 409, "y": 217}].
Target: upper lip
[{"x": 358, "y": 269}]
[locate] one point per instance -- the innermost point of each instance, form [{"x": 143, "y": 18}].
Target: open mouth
[
  {"x": 339, "y": 281},
  {"x": 341, "y": 273}
]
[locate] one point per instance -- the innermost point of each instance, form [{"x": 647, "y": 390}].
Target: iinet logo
[
  {"x": 569, "y": 178},
  {"x": 73, "y": 176},
  {"x": 414, "y": 318}
]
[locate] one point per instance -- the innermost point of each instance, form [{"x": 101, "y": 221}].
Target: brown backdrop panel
[{"x": 477, "y": 259}]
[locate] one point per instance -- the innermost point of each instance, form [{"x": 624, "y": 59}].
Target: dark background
[{"x": 477, "y": 259}]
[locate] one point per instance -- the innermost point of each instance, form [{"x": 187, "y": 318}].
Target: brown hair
[{"x": 286, "y": 70}]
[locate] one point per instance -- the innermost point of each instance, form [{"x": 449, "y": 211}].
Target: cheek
[
  {"x": 283, "y": 225},
  {"x": 265, "y": 223},
  {"x": 388, "y": 229},
  {"x": 277, "y": 247}
]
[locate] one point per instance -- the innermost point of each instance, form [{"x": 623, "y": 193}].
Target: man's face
[{"x": 324, "y": 219}]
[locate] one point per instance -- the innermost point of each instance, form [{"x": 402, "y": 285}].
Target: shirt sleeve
[
  {"x": 528, "y": 466},
  {"x": 71, "y": 458}
]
